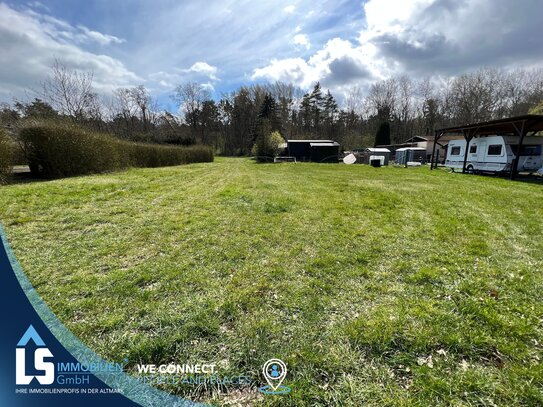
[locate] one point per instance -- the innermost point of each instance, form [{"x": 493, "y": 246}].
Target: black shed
[{"x": 320, "y": 151}]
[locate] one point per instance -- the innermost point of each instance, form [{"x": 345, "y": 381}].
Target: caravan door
[{"x": 481, "y": 154}]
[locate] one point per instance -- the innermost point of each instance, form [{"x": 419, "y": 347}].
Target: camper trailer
[{"x": 495, "y": 154}]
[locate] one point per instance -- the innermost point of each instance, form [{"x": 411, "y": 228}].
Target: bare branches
[{"x": 70, "y": 92}]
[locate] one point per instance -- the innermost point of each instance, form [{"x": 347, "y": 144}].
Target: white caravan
[{"x": 495, "y": 154}]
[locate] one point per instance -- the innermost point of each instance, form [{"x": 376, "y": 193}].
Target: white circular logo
[{"x": 274, "y": 372}]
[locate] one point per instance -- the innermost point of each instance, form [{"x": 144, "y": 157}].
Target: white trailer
[{"x": 495, "y": 154}]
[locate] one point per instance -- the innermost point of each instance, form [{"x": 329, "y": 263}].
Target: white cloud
[
  {"x": 200, "y": 72},
  {"x": 418, "y": 38},
  {"x": 372, "y": 39},
  {"x": 102, "y": 39},
  {"x": 39, "y": 5},
  {"x": 59, "y": 29},
  {"x": 302, "y": 40},
  {"x": 29, "y": 44},
  {"x": 289, "y": 9},
  {"x": 339, "y": 62},
  {"x": 290, "y": 70},
  {"x": 208, "y": 86},
  {"x": 205, "y": 69}
]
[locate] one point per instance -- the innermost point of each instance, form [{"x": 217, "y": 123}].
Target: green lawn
[{"x": 377, "y": 287}]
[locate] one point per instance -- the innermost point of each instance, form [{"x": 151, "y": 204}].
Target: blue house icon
[{"x": 28, "y": 335}]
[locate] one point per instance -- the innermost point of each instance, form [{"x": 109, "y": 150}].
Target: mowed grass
[{"x": 377, "y": 287}]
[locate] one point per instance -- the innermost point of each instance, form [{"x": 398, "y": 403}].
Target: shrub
[
  {"x": 7, "y": 153},
  {"x": 267, "y": 144},
  {"x": 62, "y": 150}
]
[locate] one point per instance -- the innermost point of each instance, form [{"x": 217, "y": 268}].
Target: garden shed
[
  {"x": 320, "y": 151},
  {"x": 366, "y": 155},
  {"x": 410, "y": 154}
]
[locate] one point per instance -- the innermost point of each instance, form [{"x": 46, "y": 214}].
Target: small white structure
[
  {"x": 349, "y": 159},
  {"x": 367, "y": 155},
  {"x": 495, "y": 154},
  {"x": 410, "y": 155}
]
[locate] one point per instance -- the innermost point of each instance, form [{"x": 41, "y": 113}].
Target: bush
[
  {"x": 7, "y": 154},
  {"x": 61, "y": 150},
  {"x": 267, "y": 144}
]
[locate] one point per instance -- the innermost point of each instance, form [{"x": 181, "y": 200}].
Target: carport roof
[
  {"x": 520, "y": 126},
  {"x": 510, "y": 125}
]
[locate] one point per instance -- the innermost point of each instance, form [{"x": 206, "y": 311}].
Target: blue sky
[{"x": 224, "y": 44}]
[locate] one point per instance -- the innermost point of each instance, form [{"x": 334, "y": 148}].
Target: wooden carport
[{"x": 521, "y": 126}]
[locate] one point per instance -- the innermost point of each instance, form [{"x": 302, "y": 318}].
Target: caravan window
[
  {"x": 455, "y": 151},
  {"x": 495, "y": 149},
  {"x": 472, "y": 149}
]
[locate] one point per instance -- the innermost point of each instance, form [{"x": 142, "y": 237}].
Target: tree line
[{"x": 389, "y": 111}]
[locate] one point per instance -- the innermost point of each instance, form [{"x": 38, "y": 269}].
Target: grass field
[{"x": 377, "y": 287}]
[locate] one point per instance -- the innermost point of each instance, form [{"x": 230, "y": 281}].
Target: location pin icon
[{"x": 274, "y": 371}]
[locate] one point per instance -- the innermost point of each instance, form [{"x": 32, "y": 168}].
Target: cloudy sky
[{"x": 225, "y": 43}]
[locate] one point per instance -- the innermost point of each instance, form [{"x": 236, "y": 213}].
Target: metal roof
[
  {"x": 411, "y": 148},
  {"x": 415, "y": 139},
  {"x": 519, "y": 126},
  {"x": 324, "y": 144},
  {"x": 310, "y": 141},
  {"x": 510, "y": 125},
  {"x": 378, "y": 150}
]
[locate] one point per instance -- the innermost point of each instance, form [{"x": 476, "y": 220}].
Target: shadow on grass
[{"x": 21, "y": 175}]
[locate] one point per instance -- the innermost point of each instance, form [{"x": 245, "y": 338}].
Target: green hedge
[
  {"x": 56, "y": 151},
  {"x": 6, "y": 156}
]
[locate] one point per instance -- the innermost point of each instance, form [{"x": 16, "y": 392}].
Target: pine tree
[
  {"x": 269, "y": 111},
  {"x": 305, "y": 113},
  {"x": 382, "y": 137},
  {"x": 316, "y": 105},
  {"x": 330, "y": 105},
  {"x": 330, "y": 112}
]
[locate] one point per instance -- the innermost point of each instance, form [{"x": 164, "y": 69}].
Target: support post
[
  {"x": 434, "y": 150},
  {"x": 514, "y": 164},
  {"x": 468, "y": 138}
]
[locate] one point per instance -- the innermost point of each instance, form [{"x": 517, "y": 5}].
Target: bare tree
[
  {"x": 191, "y": 97},
  {"x": 354, "y": 101},
  {"x": 381, "y": 100},
  {"x": 475, "y": 97},
  {"x": 70, "y": 92},
  {"x": 141, "y": 98},
  {"x": 429, "y": 105},
  {"x": 134, "y": 109},
  {"x": 405, "y": 109}
]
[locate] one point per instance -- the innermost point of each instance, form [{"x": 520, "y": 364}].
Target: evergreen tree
[
  {"x": 305, "y": 113},
  {"x": 330, "y": 106},
  {"x": 382, "y": 137},
  {"x": 268, "y": 111},
  {"x": 37, "y": 109},
  {"x": 316, "y": 105},
  {"x": 330, "y": 115}
]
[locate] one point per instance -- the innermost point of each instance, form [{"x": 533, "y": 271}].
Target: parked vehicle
[{"x": 495, "y": 154}]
